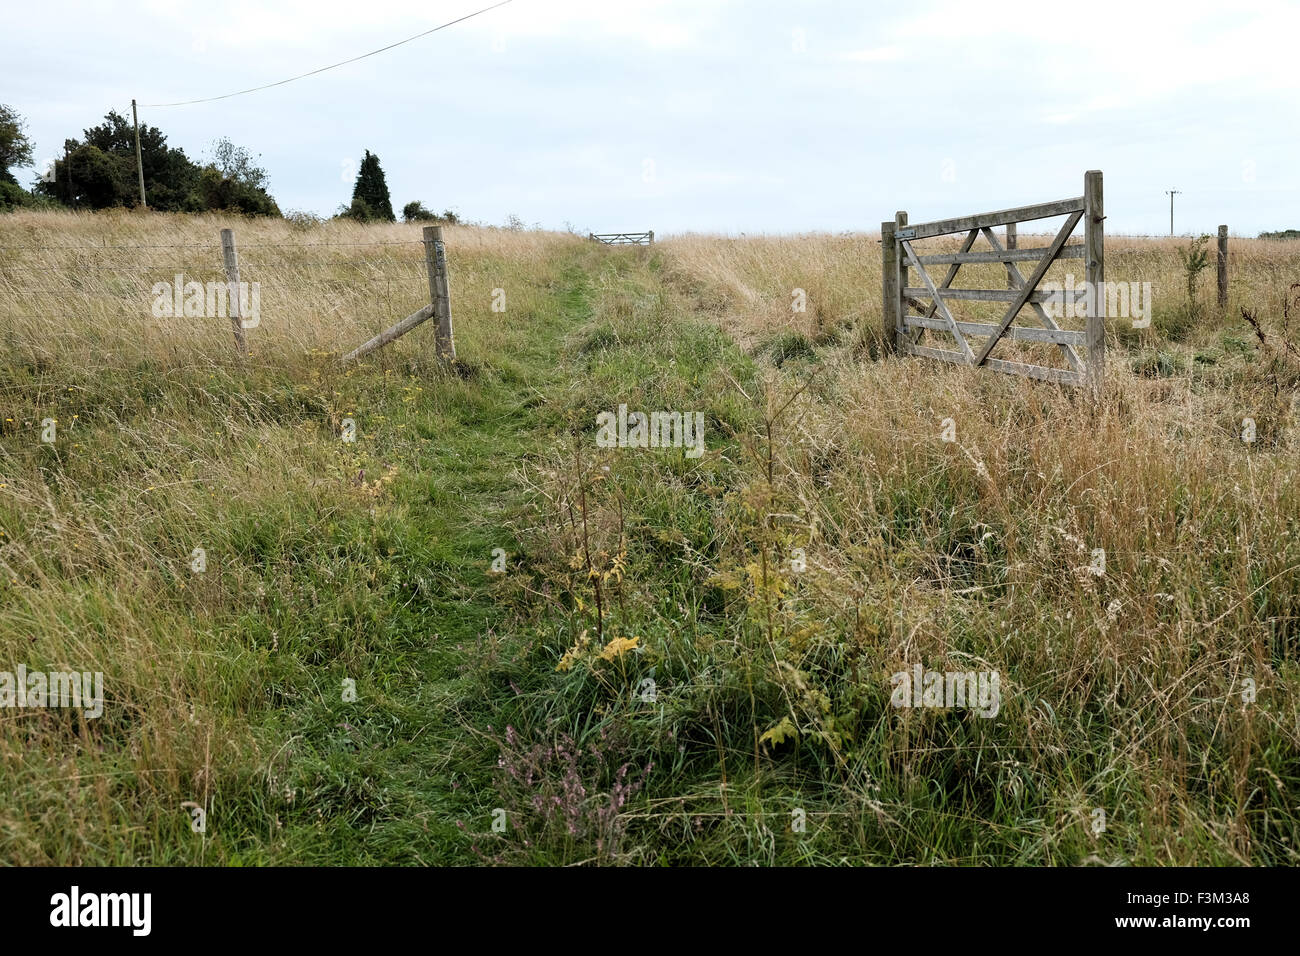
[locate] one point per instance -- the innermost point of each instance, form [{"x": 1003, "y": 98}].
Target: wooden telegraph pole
[
  {"x": 139, "y": 168},
  {"x": 1172, "y": 193}
]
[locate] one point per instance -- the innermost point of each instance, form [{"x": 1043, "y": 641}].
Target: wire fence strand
[{"x": 213, "y": 245}]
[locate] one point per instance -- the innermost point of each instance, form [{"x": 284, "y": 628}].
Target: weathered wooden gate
[
  {"x": 903, "y": 326},
  {"x": 624, "y": 238}
]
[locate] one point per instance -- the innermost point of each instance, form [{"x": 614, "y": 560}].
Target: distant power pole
[
  {"x": 138, "y": 167},
  {"x": 1172, "y": 193}
]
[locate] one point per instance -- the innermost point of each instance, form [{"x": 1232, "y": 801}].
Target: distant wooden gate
[
  {"x": 624, "y": 238},
  {"x": 903, "y": 329}
]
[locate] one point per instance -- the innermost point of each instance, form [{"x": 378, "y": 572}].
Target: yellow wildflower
[
  {"x": 574, "y": 653},
  {"x": 618, "y": 647}
]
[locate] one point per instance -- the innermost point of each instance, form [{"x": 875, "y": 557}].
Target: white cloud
[{"x": 857, "y": 120}]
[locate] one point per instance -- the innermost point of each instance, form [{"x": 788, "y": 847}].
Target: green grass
[
  {"x": 650, "y": 681},
  {"x": 313, "y": 577},
  {"x": 313, "y": 580}
]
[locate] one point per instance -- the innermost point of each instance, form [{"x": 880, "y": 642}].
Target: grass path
[
  {"x": 409, "y": 773},
  {"x": 331, "y": 563},
  {"x": 400, "y": 767}
]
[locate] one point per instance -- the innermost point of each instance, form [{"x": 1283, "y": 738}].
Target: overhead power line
[{"x": 226, "y": 96}]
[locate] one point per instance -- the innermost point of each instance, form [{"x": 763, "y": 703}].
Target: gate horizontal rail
[{"x": 985, "y": 220}]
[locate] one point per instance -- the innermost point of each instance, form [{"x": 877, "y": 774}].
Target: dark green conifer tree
[{"x": 372, "y": 190}]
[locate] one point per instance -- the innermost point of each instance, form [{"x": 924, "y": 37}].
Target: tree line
[{"x": 98, "y": 171}]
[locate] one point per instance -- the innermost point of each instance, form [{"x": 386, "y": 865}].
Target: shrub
[
  {"x": 414, "y": 211},
  {"x": 13, "y": 196},
  {"x": 216, "y": 192},
  {"x": 358, "y": 210},
  {"x": 1196, "y": 259},
  {"x": 301, "y": 219}
]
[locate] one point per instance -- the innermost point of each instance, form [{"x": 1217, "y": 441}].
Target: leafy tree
[
  {"x": 100, "y": 172},
  {"x": 15, "y": 147},
  {"x": 217, "y": 192},
  {"x": 372, "y": 189},
  {"x": 235, "y": 162},
  {"x": 13, "y": 196},
  {"x": 169, "y": 176},
  {"x": 99, "y": 179},
  {"x": 415, "y": 212},
  {"x": 233, "y": 180}
]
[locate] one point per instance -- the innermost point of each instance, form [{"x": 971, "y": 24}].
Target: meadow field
[{"x": 473, "y": 635}]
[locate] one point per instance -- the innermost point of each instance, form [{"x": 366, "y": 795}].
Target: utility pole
[
  {"x": 138, "y": 167},
  {"x": 1172, "y": 193}
]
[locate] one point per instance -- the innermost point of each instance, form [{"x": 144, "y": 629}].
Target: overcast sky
[{"x": 703, "y": 115}]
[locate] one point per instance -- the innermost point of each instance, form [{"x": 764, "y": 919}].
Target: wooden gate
[
  {"x": 907, "y": 317},
  {"x": 624, "y": 238}
]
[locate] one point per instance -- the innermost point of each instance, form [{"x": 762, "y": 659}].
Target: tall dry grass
[
  {"x": 748, "y": 283},
  {"x": 75, "y": 288},
  {"x": 1128, "y": 690},
  {"x": 1124, "y": 691},
  {"x": 168, "y": 442}
]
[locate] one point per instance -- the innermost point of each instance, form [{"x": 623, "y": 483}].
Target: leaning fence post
[
  {"x": 888, "y": 287},
  {"x": 435, "y": 259},
  {"x": 1094, "y": 249},
  {"x": 232, "y": 291},
  {"x": 1223, "y": 266}
]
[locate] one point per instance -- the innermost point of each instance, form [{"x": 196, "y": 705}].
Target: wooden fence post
[
  {"x": 232, "y": 291},
  {"x": 1223, "y": 266},
  {"x": 1011, "y": 244},
  {"x": 890, "y": 318},
  {"x": 1094, "y": 251},
  {"x": 435, "y": 259},
  {"x": 652, "y": 237}
]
